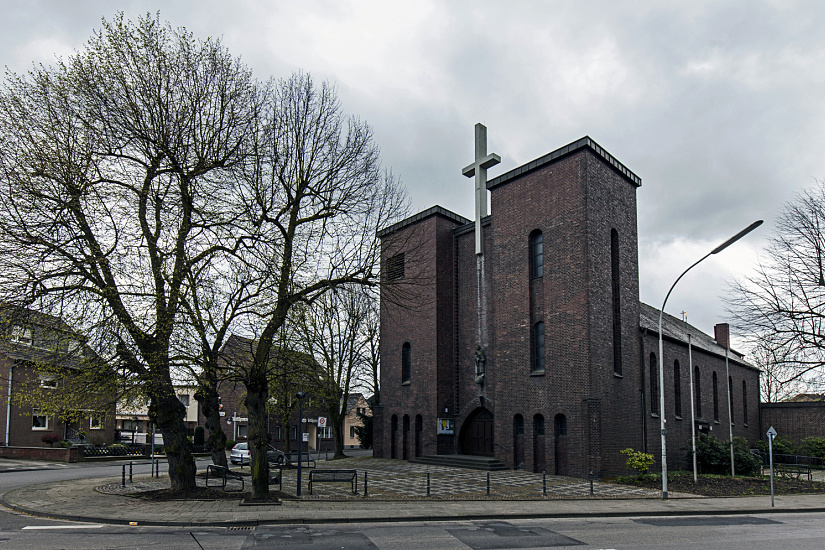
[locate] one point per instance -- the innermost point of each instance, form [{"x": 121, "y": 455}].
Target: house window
[
  {"x": 325, "y": 432},
  {"x": 677, "y": 388},
  {"x": 48, "y": 381},
  {"x": 395, "y": 267},
  {"x": 242, "y": 430},
  {"x": 538, "y": 347},
  {"x": 715, "y": 397},
  {"x": 744, "y": 403},
  {"x": 293, "y": 433},
  {"x": 406, "y": 363},
  {"x": 130, "y": 426},
  {"x": 184, "y": 398},
  {"x": 278, "y": 433},
  {"x": 39, "y": 421},
  {"x": 352, "y": 432},
  {"x": 21, "y": 335},
  {"x": 654, "y": 385},
  {"x": 697, "y": 393},
  {"x": 617, "y": 301},
  {"x": 96, "y": 422},
  {"x": 536, "y": 254}
]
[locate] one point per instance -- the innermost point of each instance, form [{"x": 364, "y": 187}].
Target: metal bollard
[
  {"x": 488, "y": 483},
  {"x": 123, "y": 475},
  {"x": 428, "y": 483},
  {"x": 544, "y": 484},
  {"x": 366, "y": 489},
  {"x": 591, "y": 482},
  {"x": 130, "y": 472}
]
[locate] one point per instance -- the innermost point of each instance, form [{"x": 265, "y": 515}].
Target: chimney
[{"x": 722, "y": 333}]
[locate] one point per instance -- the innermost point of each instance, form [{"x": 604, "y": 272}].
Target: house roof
[
  {"x": 12, "y": 315},
  {"x": 676, "y": 329}
]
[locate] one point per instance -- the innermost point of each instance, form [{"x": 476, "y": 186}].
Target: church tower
[{"x": 553, "y": 381}]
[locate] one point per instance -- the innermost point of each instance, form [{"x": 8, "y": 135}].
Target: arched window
[
  {"x": 744, "y": 403},
  {"x": 537, "y": 359},
  {"x": 697, "y": 392},
  {"x": 715, "y": 397},
  {"x": 536, "y": 254},
  {"x": 406, "y": 362},
  {"x": 677, "y": 389},
  {"x": 617, "y": 301},
  {"x": 654, "y": 384}
]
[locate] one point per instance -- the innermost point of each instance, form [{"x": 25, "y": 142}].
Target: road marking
[{"x": 85, "y": 526}]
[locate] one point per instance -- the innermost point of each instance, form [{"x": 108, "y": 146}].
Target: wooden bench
[
  {"x": 214, "y": 471},
  {"x": 794, "y": 471},
  {"x": 334, "y": 476}
]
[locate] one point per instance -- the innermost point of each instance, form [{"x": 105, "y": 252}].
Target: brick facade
[{"x": 570, "y": 413}]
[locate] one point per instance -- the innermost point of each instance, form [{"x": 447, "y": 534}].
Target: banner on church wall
[{"x": 446, "y": 426}]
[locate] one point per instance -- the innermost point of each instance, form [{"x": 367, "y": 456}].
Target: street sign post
[{"x": 771, "y": 433}]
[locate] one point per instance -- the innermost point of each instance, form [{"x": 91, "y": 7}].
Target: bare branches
[{"x": 783, "y": 303}]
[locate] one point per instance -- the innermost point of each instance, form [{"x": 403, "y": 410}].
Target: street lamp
[
  {"x": 716, "y": 250},
  {"x": 300, "y": 395}
]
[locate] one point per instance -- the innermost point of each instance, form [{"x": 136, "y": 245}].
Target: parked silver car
[{"x": 240, "y": 454}]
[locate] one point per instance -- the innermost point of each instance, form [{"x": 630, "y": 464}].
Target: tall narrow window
[
  {"x": 697, "y": 392},
  {"x": 536, "y": 254},
  {"x": 677, "y": 389},
  {"x": 730, "y": 397},
  {"x": 406, "y": 362},
  {"x": 538, "y": 347},
  {"x": 617, "y": 301},
  {"x": 654, "y": 384},
  {"x": 715, "y": 397},
  {"x": 744, "y": 403}
]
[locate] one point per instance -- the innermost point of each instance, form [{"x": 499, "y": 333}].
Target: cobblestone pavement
[{"x": 384, "y": 479}]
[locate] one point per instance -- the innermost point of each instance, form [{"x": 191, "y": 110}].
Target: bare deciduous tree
[{"x": 783, "y": 303}]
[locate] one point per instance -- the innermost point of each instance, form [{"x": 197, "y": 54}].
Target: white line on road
[{"x": 84, "y": 526}]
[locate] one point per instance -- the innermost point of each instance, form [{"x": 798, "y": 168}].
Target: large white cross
[{"x": 479, "y": 170}]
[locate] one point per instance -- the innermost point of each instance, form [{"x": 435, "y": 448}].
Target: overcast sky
[{"x": 717, "y": 105}]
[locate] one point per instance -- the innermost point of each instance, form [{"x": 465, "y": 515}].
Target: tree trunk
[
  {"x": 258, "y": 438},
  {"x": 169, "y": 413},
  {"x": 207, "y": 396},
  {"x": 338, "y": 434}
]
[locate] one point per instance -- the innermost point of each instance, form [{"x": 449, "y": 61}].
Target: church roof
[
  {"x": 421, "y": 216},
  {"x": 676, "y": 329},
  {"x": 560, "y": 153}
]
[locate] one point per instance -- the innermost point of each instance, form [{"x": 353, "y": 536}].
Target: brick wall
[{"x": 794, "y": 420}]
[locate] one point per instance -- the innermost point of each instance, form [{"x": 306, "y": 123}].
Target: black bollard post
[
  {"x": 544, "y": 483},
  {"x": 123, "y": 476},
  {"x": 488, "y": 483},
  {"x": 366, "y": 490},
  {"x": 591, "y": 482},
  {"x": 428, "y": 483}
]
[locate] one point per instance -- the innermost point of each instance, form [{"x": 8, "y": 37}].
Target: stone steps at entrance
[{"x": 462, "y": 461}]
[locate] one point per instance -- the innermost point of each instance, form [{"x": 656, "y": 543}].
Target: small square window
[
  {"x": 39, "y": 421},
  {"x": 48, "y": 381},
  {"x": 395, "y": 267},
  {"x": 21, "y": 335},
  {"x": 96, "y": 422}
]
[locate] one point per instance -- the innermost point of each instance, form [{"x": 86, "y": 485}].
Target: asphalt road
[{"x": 755, "y": 531}]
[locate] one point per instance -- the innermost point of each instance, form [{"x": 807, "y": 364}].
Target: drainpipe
[{"x": 8, "y": 405}]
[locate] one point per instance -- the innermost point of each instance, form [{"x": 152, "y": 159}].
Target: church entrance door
[{"x": 477, "y": 434}]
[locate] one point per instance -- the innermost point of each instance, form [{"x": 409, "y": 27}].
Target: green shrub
[
  {"x": 713, "y": 456},
  {"x": 812, "y": 446},
  {"x": 229, "y": 444},
  {"x": 199, "y": 435},
  {"x": 781, "y": 445},
  {"x": 637, "y": 460}
]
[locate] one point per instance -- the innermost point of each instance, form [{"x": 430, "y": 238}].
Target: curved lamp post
[{"x": 716, "y": 250}]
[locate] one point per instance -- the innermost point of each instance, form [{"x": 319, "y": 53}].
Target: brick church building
[{"x": 524, "y": 339}]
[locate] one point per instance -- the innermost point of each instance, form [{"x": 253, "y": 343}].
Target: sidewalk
[{"x": 102, "y": 500}]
